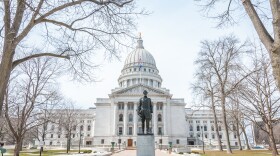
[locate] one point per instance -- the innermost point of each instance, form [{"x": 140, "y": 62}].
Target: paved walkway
[{"x": 133, "y": 153}]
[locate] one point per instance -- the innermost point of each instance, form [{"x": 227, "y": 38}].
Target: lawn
[
  {"x": 239, "y": 153},
  {"x": 44, "y": 153}
]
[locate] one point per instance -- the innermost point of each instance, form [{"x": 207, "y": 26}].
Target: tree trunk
[
  {"x": 272, "y": 142},
  {"x": 238, "y": 136},
  {"x": 5, "y": 70},
  {"x": 223, "y": 103},
  {"x": 17, "y": 147},
  {"x": 216, "y": 125},
  {"x": 246, "y": 138}
]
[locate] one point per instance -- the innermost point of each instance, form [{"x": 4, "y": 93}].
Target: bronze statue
[{"x": 145, "y": 110}]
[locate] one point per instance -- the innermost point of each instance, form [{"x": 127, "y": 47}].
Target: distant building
[{"x": 202, "y": 121}]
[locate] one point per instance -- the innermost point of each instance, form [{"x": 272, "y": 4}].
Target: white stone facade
[
  {"x": 116, "y": 116},
  {"x": 205, "y": 118}
]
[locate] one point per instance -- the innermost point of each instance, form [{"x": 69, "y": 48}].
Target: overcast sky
[{"x": 172, "y": 34}]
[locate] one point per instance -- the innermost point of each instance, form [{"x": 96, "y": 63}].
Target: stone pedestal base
[{"x": 145, "y": 145}]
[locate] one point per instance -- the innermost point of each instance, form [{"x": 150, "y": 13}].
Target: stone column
[
  {"x": 115, "y": 118},
  {"x": 155, "y": 118},
  {"x": 164, "y": 119},
  {"x": 125, "y": 119},
  {"x": 135, "y": 119}
]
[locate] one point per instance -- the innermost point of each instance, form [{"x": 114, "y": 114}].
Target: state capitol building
[{"x": 114, "y": 119}]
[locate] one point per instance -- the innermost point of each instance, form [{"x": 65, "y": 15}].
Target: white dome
[
  {"x": 140, "y": 56},
  {"x": 140, "y": 68}
]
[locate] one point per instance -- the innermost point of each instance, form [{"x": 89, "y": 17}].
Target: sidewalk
[{"x": 133, "y": 153}]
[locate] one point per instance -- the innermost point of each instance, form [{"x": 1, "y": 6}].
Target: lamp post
[
  {"x": 80, "y": 141},
  {"x": 202, "y": 140},
  {"x": 119, "y": 142}
]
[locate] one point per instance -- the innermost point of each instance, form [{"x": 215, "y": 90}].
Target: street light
[
  {"x": 80, "y": 141},
  {"x": 202, "y": 140},
  {"x": 119, "y": 141}
]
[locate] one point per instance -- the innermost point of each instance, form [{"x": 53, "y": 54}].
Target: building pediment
[{"x": 138, "y": 90}]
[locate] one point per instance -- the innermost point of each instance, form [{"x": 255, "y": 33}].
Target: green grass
[
  {"x": 44, "y": 153},
  {"x": 238, "y": 153}
]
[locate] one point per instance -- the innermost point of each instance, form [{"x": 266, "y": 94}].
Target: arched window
[
  {"x": 205, "y": 128},
  {"x": 52, "y": 128},
  {"x": 130, "y": 118},
  {"x": 120, "y": 117},
  {"x": 197, "y": 128},
  {"x": 82, "y": 128},
  {"x": 88, "y": 127},
  {"x": 159, "y": 118},
  {"x": 191, "y": 128}
]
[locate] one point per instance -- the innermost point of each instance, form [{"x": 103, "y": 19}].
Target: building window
[
  {"x": 149, "y": 70},
  {"x": 197, "y": 128},
  {"x": 88, "y": 127},
  {"x": 82, "y": 121},
  {"x": 206, "y": 136},
  {"x": 130, "y": 118},
  {"x": 74, "y": 128},
  {"x": 236, "y": 144},
  {"x": 234, "y": 136},
  {"x": 190, "y": 121},
  {"x": 139, "y": 129},
  {"x": 191, "y": 128},
  {"x": 129, "y": 130},
  {"x": 89, "y": 121},
  {"x": 82, "y": 128},
  {"x": 159, "y": 106},
  {"x": 120, "y": 117},
  {"x": 159, "y": 118},
  {"x": 121, "y": 106},
  {"x": 102, "y": 141},
  {"x": 52, "y": 128},
  {"x": 198, "y": 135},
  {"x": 191, "y": 135},
  {"x": 73, "y": 136},
  {"x": 130, "y": 106},
  {"x": 134, "y": 69},
  {"x": 159, "y": 130},
  {"x": 177, "y": 141},
  {"x": 221, "y": 136},
  {"x": 51, "y": 143},
  {"x": 88, "y": 135},
  {"x": 144, "y": 69},
  {"x": 204, "y": 121},
  {"x": 120, "y": 130},
  {"x": 160, "y": 141},
  {"x": 211, "y": 121},
  {"x": 220, "y": 128},
  {"x": 212, "y": 128},
  {"x": 205, "y": 128},
  {"x": 119, "y": 141},
  {"x": 197, "y": 121},
  {"x": 213, "y": 136},
  {"x": 51, "y": 135},
  {"x": 233, "y": 127},
  {"x": 58, "y": 136}
]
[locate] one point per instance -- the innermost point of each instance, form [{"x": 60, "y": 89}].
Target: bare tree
[
  {"x": 222, "y": 58},
  {"x": 28, "y": 94},
  {"x": 265, "y": 17},
  {"x": 70, "y": 29},
  {"x": 68, "y": 121},
  {"x": 206, "y": 87},
  {"x": 262, "y": 98}
]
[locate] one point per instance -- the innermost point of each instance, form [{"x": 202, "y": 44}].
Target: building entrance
[{"x": 129, "y": 142}]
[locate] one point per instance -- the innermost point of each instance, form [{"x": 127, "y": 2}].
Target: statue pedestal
[{"x": 145, "y": 145}]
